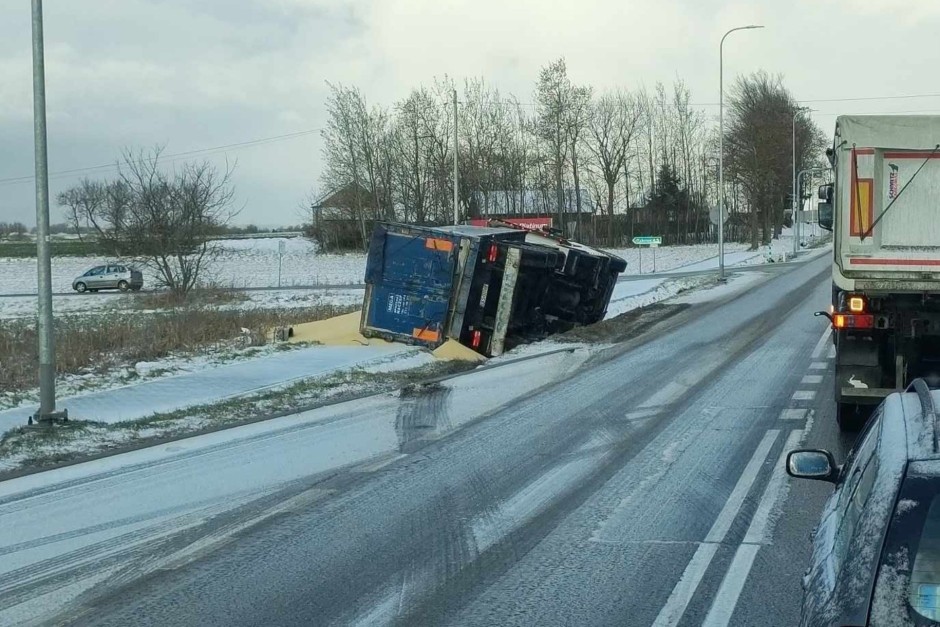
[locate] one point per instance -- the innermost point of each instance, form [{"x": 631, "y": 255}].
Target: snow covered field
[
  {"x": 239, "y": 263},
  {"x": 253, "y": 263}
]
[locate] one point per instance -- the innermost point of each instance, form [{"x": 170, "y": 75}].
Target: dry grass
[
  {"x": 100, "y": 342},
  {"x": 207, "y": 296}
]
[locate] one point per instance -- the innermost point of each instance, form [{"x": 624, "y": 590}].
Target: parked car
[
  {"x": 876, "y": 553},
  {"x": 113, "y": 276}
]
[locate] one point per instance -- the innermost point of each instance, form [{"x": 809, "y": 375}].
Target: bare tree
[
  {"x": 164, "y": 219},
  {"x": 577, "y": 121},
  {"x": 553, "y": 94},
  {"x": 414, "y": 146},
  {"x": 342, "y": 148},
  {"x": 613, "y": 122},
  {"x": 760, "y": 118}
]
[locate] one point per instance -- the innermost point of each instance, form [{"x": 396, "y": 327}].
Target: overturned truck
[{"x": 489, "y": 288}]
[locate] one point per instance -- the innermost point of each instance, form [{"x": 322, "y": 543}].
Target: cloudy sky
[{"x": 200, "y": 74}]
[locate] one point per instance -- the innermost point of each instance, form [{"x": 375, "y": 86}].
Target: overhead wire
[{"x": 168, "y": 158}]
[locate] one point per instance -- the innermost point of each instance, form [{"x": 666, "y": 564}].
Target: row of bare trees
[{"x": 572, "y": 153}]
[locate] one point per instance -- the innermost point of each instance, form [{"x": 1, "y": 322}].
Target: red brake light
[
  {"x": 494, "y": 251},
  {"x": 475, "y": 342},
  {"x": 850, "y": 321}
]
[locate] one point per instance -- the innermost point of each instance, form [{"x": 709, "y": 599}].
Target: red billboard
[{"x": 534, "y": 224}]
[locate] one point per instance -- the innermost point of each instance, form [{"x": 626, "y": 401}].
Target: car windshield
[{"x": 924, "y": 596}]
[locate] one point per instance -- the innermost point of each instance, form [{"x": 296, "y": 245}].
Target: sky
[{"x": 193, "y": 75}]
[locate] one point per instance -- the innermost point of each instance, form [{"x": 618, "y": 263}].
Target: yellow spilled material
[
  {"x": 344, "y": 331},
  {"x": 337, "y": 331},
  {"x": 454, "y": 350}
]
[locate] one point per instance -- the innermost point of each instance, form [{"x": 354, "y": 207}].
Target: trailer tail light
[
  {"x": 475, "y": 340},
  {"x": 851, "y": 321},
  {"x": 856, "y": 304},
  {"x": 493, "y": 253}
]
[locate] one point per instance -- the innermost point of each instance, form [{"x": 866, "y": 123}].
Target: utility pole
[
  {"x": 46, "y": 412},
  {"x": 456, "y": 188}
]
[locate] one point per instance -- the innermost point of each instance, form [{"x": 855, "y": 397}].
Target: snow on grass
[
  {"x": 92, "y": 380},
  {"x": 669, "y": 257},
  {"x": 254, "y": 263},
  {"x": 238, "y": 263},
  {"x": 22, "y": 447},
  {"x": 626, "y": 299},
  {"x": 130, "y": 304}
]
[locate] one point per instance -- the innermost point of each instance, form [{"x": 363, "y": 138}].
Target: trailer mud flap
[
  {"x": 857, "y": 369},
  {"x": 506, "y": 299}
]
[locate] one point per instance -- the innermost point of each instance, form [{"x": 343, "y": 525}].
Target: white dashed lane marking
[
  {"x": 812, "y": 379},
  {"x": 684, "y": 590},
  {"x": 758, "y": 533},
  {"x": 818, "y": 365},
  {"x": 820, "y": 345},
  {"x": 804, "y": 395},
  {"x": 793, "y": 414}
]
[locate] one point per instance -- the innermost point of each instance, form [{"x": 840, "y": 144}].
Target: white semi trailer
[{"x": 883, "y": 209}]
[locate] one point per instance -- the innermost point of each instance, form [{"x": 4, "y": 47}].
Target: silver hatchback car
[{"x": 113, "y": 276}]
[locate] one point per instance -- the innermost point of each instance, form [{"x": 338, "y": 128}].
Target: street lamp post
[
  {"x": 456, "y": 188},
  {"x": 46, "y": 413},
  {"x": 796, "y": 187},
  {"x": 721, "y": 150},
  {"x": 799, "y": 185}
]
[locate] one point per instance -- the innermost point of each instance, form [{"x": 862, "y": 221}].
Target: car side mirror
[
  {"x": 814, "y": 464},
  {"x": 825, "y": 215}
]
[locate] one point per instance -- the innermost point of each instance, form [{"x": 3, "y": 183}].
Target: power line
[
  {"x": 170, "y": 157},
  {"x": 819, "y": 100},
  {"x": 934, "y": 110}
]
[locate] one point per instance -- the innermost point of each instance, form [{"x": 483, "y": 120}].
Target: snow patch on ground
[
  {"x": 735, "y": 284},
  {"x": 624, "y": 299},
  {"x": 72, "y": 385},
  {"x": 399, "y": 361},
  {"x": 237, "y": 263}
]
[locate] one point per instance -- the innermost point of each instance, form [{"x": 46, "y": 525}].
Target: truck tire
[{"x": 850, "y": 417}]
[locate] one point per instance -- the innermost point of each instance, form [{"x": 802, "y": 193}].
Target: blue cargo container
[{"x": 488, "y": 288}]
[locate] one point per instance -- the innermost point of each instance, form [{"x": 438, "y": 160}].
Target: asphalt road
[{"x": 643, "y": 488}]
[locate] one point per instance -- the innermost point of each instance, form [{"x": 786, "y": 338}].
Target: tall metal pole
[
  {"x": 456, "y": 205},
  {"x": 721, "y": 151},
  {"x": 796, "y": 236},
  {"x": 799, "y": 180},
  {"x": 796, "y": 185},
  {"x": 44, "y": 266}
]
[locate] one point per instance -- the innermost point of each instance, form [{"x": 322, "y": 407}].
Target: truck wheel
[{"x": 850, "y": 417}]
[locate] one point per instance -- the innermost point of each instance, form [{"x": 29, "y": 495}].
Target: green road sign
[{"x": 647, "y": 240}]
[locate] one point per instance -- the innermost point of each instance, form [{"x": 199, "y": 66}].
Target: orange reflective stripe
[
  {"x": 443, "y": 245},
  {"x": 428, "y": 335}
]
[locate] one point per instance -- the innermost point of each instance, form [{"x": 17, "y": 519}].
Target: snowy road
[{"x": 642, "y": 486}]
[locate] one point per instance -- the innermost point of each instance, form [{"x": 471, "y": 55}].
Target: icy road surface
[{"x": 638, "y": 486}]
